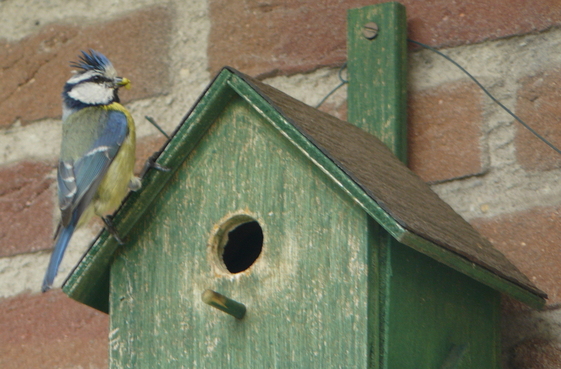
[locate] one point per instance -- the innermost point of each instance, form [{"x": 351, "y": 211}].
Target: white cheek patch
[
  {"x": 77, "y": 78},
  {"x": 91, "y": 93}
]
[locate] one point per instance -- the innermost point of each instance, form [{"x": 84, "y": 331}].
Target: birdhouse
[{"x": 321, "y": 248}]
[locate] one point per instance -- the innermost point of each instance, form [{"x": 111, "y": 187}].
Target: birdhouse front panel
[{"x": 250, "y": 216}]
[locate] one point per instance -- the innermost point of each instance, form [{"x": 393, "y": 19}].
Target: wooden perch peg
[{"x": 223, "y": 303}]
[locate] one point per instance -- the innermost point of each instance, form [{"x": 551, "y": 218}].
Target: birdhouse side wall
[{"x": 439, "y": 316}]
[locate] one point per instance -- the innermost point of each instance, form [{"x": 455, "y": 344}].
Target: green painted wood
[
  {"x": 308, "y": 148},
  {"x": 376, "y": 98},
  {"x": 224, "y": 303},
  {"x": 379, "y": 294},
  {"x": 379, "y": 107},
  {"x": 309, "y": 130},
  {"x": 471, "y": 269},
  {"x": 305, "y": 299},
  {"x": 425, "y": 309},
  {"x": 89, "y": 282},
  {"x": 377, "y": 69},
  {"x": 434, "y": 310}
]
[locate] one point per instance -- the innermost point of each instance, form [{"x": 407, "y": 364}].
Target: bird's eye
[{"x": 97, "y": 79}]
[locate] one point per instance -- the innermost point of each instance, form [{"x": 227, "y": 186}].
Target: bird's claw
[
  {"x": 151, "y": 163},
  {"x": 159, "y": 167},
  {"x": 111, "y": 229}
]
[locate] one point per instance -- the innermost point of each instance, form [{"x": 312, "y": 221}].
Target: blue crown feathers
[{"x": 92, "y": 61}]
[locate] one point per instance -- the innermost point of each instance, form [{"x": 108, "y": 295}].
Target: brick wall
[{"x": 489, "y": 169}]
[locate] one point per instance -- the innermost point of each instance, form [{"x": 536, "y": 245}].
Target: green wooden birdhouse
[{"x": 327, "y": 252}]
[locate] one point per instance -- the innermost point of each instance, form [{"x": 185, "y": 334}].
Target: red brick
[
  {"x": 26, "y": 207},
  {"x": 526, "y": 337},
  {"x": 33, "y": 70},
  {"x": 530, "y": 239},
  {"x": 535, "y": 353},
  {"x": 51, "y": 331},
  {"x": 444, "y": 131},
  {"x": 539, "y": 105},
  {"x": 27, "y": 193},
  {"x": 263, "y": 38},
  {"x": 145, "y": 148}
]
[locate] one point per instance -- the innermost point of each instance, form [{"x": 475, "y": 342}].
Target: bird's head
[{"x": 95, "y": 83}]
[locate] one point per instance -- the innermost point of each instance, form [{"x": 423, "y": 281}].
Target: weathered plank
[
  {"x": 304, "y": 294},
  {"x": 377, "y": 89},
  {"x": 376, "y": 98},
  {"x": 434, "y": 308}
]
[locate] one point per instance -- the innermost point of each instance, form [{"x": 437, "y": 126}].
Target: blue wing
[
  {"x": 79, "y": 177},
  {"x": 80, "y": 171}
]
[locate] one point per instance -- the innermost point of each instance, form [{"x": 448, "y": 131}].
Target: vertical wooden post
[
  {"x": 377, "y": 103},
  {"x": 377, "y": 92}
]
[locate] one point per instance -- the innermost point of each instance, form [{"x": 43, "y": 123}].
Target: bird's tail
[{"x": 58, "y": 253}]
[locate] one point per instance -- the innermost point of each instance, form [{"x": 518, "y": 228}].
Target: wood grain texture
[
  {"x": 401, "y": 193},
  {"x": 434, "y": 309},
  {"x": 426, "y": 309},
  {"x": 306, "y": 293},
  {"x": 376, "y": 98},
  {"x": 377, "y": 70}
]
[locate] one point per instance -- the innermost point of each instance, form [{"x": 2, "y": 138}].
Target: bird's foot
[
  {"x": 111, "y": 229},
  {"x": 151, "y": 162}
]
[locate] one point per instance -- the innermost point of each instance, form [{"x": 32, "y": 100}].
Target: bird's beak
[{"x": 124, "y": 82}]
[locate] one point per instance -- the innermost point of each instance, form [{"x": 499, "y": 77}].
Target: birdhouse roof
[{"x": 356, "y": 161}]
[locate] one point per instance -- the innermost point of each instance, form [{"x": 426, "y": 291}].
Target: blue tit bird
[{"x": 97, "y": 153}]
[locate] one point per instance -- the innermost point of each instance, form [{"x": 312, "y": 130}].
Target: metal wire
[
  {"x": 151, "y": 120},
  {"x": 488, "y": 94},
  {"x": 343, "y": 82},
  {"x": 524, "y": 124}
]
